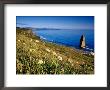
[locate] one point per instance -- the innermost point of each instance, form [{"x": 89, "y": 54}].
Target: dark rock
[{"x": 82, "y": 42}]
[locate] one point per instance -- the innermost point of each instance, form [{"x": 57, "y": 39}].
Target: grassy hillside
[{"x": 34, "y": 56}]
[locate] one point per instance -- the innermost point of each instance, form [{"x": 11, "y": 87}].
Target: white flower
[
  {"x": 83, "y": 62},
  {"x": 30, "y": 50},
  {"x": 47, "y": 50},
  {"x": 24, "y": 43},
  {"x": 18, "y": 40},
  {"x": 31, "y": 40},
  {"x": 30, "y": 58},
  {"x": 60, "y": 58},
  {"x": 70, "y": 60},
  {"x": 37, "y": 41},
  {"x": 54, "y": 53},
  {"x": 77, "y": 62},
  {"x": 40, "y": 62},
  {"x": 62, "y": 69}
]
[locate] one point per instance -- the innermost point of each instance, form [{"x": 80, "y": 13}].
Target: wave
[
  {"x": 41, "y": 37},
  {"x": 90, "y": 49}
]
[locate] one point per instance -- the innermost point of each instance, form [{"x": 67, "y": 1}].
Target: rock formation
[{"x": 82, "y": 42}]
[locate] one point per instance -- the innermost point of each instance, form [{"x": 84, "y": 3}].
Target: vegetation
[{"x": 35, "y": 56}]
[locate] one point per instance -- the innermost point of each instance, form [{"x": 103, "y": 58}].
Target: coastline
[
  {"x": 69, "y": 39},
  {"x": 36, "y": 54},
  {"x": 84, "y": 51}
]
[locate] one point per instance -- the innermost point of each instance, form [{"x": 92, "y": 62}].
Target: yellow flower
[
  {"x": 31, "y": 40},
  {"x": 60, "y": 58},
  {"x": 30, "y": 50},
  {"x": 77, "y": 62},
  {"x": 18, "y": 40},
  {"x": 54, "y": 53},
  {"x": 40, "y": 62},
  {"x": 70, "y": 60},
  {"x": 37, "y": 40},
  {"x": 24, "y": 43},
  {"x": 83, "y": 62},
  {"x": 62, "y": 69},
  {"x": 48, "y": 50}
]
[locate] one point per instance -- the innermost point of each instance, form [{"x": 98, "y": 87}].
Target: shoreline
[
  {"x": 36, "y": 56},
  {"x": 86, "y": 49},
  {"x": 85, "y": 52}
]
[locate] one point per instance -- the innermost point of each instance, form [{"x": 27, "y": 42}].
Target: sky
[{"x": 59, "y": 22}]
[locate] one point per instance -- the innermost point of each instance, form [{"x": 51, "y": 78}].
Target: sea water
[{"x": 68, "y": 37}]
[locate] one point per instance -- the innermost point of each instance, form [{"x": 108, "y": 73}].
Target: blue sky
[{"x": 59, "y": 22}]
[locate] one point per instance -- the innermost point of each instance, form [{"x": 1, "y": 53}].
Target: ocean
[{"x": 68, "y": 37}]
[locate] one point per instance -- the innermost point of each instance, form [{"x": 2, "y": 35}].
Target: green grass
[{"x": 34, "y": 56}]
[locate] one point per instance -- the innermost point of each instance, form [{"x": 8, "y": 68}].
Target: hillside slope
[{"x": 35, "y": 56}]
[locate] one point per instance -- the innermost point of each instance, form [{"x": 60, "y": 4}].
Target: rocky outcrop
[{"x": 82, "y": 42}]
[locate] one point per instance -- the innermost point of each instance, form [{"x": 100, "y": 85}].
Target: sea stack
[{"x": 82, "y": 42}]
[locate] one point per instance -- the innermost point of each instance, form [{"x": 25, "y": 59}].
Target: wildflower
[
  {"x": 62, "y": 69},
  {"x": 30, "y": 58},
  {"x": 72, "y": 64},
  {"x": 83, "y": 62},
  {"x": 37, "y": 41},
  {"x": 40, "y": 62},
  {"x": 19, "y": 65},
  {"x": 54, "y": 53},
  {"x": 77, "y": 62},
  {"x": 60, "y": 58},
  {"x": 31, "y": 40},
  {"x": 30, "y": 50},
  {"x": 70, "y": 60},
  {"x": 47, "y": 50},
  {"x": 44, "y": 62},
  {"x": 18, "y": 40},
  {"x": 24, "y": 43}
]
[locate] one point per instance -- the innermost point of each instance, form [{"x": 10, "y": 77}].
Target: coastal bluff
[{"x": 37, "y": 56}]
